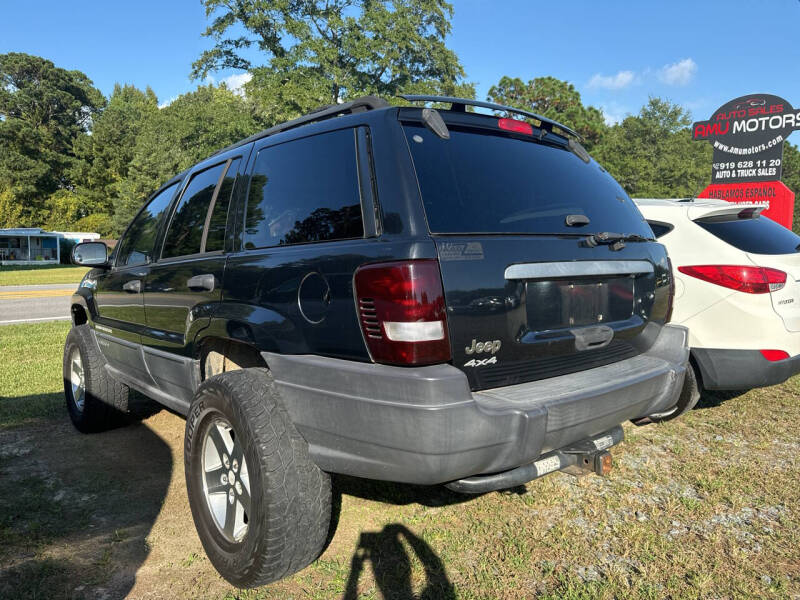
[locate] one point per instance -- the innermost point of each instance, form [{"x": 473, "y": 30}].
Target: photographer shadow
[
  {"x": 386, "y": 550},
  {"x": 392, "y": 567}
]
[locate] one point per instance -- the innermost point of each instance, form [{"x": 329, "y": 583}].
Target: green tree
[
  {"x": 652, "y": 154},
  {"x": 107, "y": 153},
  {"x": 554, "y": 99},
  {"x": 174, "y": 138},
  {"x": 325, "y": 51},
  {"x": 43, "y": 111}
]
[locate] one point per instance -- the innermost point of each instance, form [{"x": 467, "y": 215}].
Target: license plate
[{"x": 560, "y": 304}]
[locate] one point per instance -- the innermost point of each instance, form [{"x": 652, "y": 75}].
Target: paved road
[{"x": 32, "y": 303}]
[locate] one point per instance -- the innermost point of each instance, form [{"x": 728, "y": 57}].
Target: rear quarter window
[
  {"x": 760, "y": 235},
  {"x": 660, "y": 229},
  {"x": 303, "y": 191}
]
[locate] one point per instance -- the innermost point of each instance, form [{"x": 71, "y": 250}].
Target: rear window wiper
[{"x": 615, "y": 240}]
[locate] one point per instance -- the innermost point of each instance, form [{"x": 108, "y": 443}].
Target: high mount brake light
[
  {"x": 515, "y": 126},
  {"x": 402, "y": 312},
  {"x": 751, "y": 280},
  {"x": 774, "y": 355}
]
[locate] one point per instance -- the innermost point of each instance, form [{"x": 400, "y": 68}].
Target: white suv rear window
[{"x": 760, "y": 235}]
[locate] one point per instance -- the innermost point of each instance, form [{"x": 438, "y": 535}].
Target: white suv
[{"x": 736, "y": 290}]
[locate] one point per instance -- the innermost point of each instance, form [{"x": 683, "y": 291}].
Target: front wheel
[
  {"x": 261, "y": 506},
  {"x": 95, "y": 400}
]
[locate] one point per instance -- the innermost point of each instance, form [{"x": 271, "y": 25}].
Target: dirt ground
[{"x": 704, "y": 508}]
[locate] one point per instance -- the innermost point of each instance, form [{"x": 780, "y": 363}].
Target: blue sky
[{"x": 698, "y": 53}]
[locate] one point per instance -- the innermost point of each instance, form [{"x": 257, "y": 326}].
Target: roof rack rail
[
  {"x": 460, "y": 105},
  {"x": 329, "y": 111},
  {"x": 322, "y": 113}
]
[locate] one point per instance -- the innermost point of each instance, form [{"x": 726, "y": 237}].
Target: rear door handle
[
  {"x": 201, "y": 282},
  {"x": 134, "y": 286}
]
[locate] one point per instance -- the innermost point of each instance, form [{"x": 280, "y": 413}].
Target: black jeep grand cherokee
[{"x": 399, "y": 293}]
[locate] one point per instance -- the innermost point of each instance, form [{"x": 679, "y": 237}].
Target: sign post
[{"x": 747, "y": 134}]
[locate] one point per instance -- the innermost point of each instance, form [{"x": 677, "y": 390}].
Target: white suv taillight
[
  {"x": 402, "y": 312},
  {"x": 751, "y": 280}
]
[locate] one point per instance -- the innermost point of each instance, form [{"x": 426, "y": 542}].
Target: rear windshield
[
  {"x": 483, "y": 183},
  {"x": 757, "y": 236}
]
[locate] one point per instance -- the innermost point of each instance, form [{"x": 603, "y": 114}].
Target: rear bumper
[
  {"x": 742, "y": 369},
  {"x": 424, "y": 425}
]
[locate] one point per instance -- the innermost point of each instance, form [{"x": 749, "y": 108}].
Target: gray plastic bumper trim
[
  {"x": 424, "y": 425},
  {"x": 742, "y": 369}
]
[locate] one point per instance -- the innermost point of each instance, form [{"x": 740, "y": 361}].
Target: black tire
[
  {"x": 105, "y": 400},
  {"x": 690, "y": 395},
  {"x": 289, "y": 514}
]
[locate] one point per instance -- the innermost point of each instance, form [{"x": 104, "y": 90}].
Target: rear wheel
[
  {"x": 95, "y": 400},
  {"x": 261, "y": 506}
]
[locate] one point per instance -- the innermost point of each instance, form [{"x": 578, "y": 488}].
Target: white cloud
[
  {"x": 612, "y": 82},
  {"x": 236, "y": 82},
  {"x": 614, "y": 113},
  {"x": 679, "y": 73},
  {"x": 166, "y": 103}
]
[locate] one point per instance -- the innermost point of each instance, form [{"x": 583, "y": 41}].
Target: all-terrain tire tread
[
  {"x": 106, "y": 399},
  {"x": 296, "y": 493}
]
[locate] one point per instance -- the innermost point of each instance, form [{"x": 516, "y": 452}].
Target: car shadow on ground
[
  {"x": 403, "y": 493},
  {"x": 75, "y": 509},
  {"x": 715, "y": 398}
]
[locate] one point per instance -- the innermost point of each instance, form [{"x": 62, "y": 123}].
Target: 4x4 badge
[{"x": 479, "y": 362}]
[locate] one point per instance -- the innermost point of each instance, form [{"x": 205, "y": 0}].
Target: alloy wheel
[
  {"x": 226, "y": 480},
  {"x": 76, "y": 379}
]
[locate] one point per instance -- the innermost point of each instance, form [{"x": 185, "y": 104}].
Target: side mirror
[{"x": 90, "y": 254}]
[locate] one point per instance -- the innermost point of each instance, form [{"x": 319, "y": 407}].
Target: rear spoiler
[
  {"x": 730, "y": 210},
  {"x": 460, "y": 105}
]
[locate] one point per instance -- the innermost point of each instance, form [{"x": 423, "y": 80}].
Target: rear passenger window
[
  {"x": 136, "y": 247},
  {"x": 186, "y": 229},
  {"x": 305, "y": 191},
  {"x": 215, "y": 239}
]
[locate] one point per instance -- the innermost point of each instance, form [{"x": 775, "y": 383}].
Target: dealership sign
[{"x": 747, "y": 135}]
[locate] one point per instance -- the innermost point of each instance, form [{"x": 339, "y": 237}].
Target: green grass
[
  {"x": 707, "y": 506},
  {"x": 31, "y": 384},
  {"x": 33, "y": 275}
]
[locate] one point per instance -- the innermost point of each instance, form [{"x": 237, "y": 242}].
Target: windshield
[
  {"x": 477, "y": 182},
  {"x": 761, "y": 235}
]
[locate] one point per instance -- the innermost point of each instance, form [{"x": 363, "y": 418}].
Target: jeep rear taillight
[
  {"x": 402, "y": 312},
  {"x": 751, "y": 280}
]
